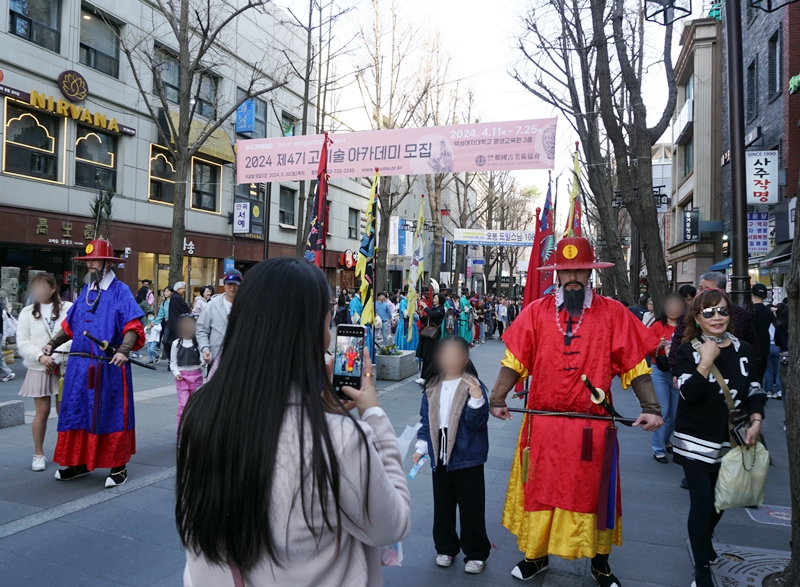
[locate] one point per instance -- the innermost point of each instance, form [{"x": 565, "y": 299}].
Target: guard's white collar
[
  {"x": 587, "y": 298},
  {"x": 106, "y": 281}
]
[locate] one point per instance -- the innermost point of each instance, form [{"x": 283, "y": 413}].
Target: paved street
[{"x": 78, "y": 534}]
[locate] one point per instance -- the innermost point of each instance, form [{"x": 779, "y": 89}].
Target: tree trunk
[
  {"x": 182, "y": 175},
  {"x": 791, "y": 396},
  {"x": 385, "y": 210},
  {"x": 302, "y": 210},
  {"x": 461, "y": 251}
]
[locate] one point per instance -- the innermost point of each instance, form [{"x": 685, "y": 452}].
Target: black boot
[
  {"x": 528, "y": 569},
  {"x": 117, "y": 476},
  {"x": 601, "y": 572},
  {"x": 72, "y": 472},
  {"x": 702, "y": 576}
]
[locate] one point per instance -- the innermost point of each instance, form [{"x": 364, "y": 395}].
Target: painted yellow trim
[
  {"x": 100, "y": 140},
  {"x": 30, "y": 177},
  {"x": 39, "y": 124}
]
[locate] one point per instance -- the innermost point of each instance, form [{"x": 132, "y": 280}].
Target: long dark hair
[
  {"x": 55, "y": 299},
  {"x": 141, "y": 295},
  {"x": 708, "y": 298},
  {"x": 673, "y": 296},
  {"x": 434, "y": 374},
  {"x": 229, "y": 433}
]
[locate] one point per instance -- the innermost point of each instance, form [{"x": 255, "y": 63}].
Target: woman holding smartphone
[
  {"x": 278, "y": 483},
  {"x": 701, "y": 435},
  {"x": 433, "y": 316}
]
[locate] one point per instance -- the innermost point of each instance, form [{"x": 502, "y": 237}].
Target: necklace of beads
[{"x": 577, "y": 326}]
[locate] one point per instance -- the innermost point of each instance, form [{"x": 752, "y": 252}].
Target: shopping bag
[{"x": 742, "y": 478}]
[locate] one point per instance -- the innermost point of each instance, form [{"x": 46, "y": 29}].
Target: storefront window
[
  {"x": 99, "y": 44},
  {"x": 156, "y": 268},
  {"x": 205, "y": 185},
  {"x": 162, "y": 175},
  {"x": 31, "y": 143},
  {"x": 95, "y": 158},
  {"x": 38, "y": 21},
  {"x": 255, "y": 194}
]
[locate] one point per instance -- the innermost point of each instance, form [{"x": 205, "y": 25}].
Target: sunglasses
[{"x": 708, "y": 313}]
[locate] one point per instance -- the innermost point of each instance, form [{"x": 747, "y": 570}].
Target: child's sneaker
[{"x": 474, "y": 567}]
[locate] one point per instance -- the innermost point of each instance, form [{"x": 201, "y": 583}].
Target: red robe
[{"x": 609, "y": 342}]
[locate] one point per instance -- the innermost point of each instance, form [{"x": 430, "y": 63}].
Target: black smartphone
[{"x": 349, "y": 358}]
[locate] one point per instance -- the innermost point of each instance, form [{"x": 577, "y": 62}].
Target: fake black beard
[
  {"x": 573, "y": 301},
  {"x": 92, "y": 277}
]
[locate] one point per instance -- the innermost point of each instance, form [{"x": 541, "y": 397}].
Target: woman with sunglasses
[{"x": 701, "y": 435}]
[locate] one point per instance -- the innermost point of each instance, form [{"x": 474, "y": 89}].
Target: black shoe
[
  {"x": 72, "y": 473},
  {"x": 117, "y": 476},
  {"x": 668, "y": 448},
  {"x": 605, "y": 578},
  {"x": 702, "y": 577},
  {"x": 714, "y": 557},
  {"x": 527, "y": 569},
  {"x": 661, "y": 459},
  {"x": 684, "y": 483}
]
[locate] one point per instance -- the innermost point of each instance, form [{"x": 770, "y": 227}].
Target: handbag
[
  {"x": 430, "y": 332},
  {"x": 742, "y": 478}
]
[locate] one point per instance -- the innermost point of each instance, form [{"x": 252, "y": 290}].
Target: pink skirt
[{"x": 39, "y": 384}]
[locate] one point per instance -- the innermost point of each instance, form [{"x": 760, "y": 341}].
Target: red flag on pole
[
  {"x": 540, "y": 283},
  {"x": 317, "y": 236}
]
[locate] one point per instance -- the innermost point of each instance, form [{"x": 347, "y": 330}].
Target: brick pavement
[{"x": 79, "y": 534}]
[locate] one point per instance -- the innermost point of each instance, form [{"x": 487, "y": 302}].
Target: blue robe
[
  {"x": 96, "y": 425},
  {"x": 402, "y": 333}
]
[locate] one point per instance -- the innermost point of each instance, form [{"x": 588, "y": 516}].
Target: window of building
[
  {"x": 99, "y": 43},
  {"x": 31, "y": 143},
  {"x": 255, "y": 194},
  {"x": 688, "y": 89},
  {"x": 751, "y": 98},
  {"x": 162, "y": 175},
  {"x": 775, "y": 60},
  {"x": 288, "y": 125},
  {"x": 206, "y": 95},
  {"x": 261, "y": 116},
  {"x": 38, "y": 21},
  {"x": 169, "y": 69},
  {"x": 688, "y": 157},
  {"x": 286, "y": 206},
  {"x": 353, "y": 220},
  {"x": 95, "y": 159},
  {"x": 205, "y": 185}
]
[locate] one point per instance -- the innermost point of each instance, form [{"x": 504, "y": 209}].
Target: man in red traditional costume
[
  {"x": 96, "y": 426},
  {"x": 563, "y": 495}
]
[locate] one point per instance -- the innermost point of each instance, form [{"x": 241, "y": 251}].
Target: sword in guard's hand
[{"x": 599, "y": 397}]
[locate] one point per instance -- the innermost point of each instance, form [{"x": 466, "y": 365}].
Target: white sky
[{"x": 481, "y": 37}]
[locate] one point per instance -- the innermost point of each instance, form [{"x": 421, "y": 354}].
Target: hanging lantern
[
  {"x": 769, "y": 5},
  {"x": 666, "y": 12}
]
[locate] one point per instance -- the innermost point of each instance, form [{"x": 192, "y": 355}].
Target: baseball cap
[
  {"x": 759, "y": 290},
  {"x": 233, "y": 276}
]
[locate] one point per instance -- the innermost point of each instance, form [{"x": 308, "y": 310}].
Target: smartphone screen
[{"x": 349, "y": 358}]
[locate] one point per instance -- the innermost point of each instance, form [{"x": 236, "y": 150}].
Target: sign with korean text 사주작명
[
  {"x": 494, "y": 238},
  {"x": 757, "y": 233},
  {"x": 241, "y": 217},
  {"x": 762, "y": 177},
  {"x": 524, "y": 144}
]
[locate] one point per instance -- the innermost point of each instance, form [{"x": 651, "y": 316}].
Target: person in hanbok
[
  {"x": 465, "y": 325},
  {"x": 407, "y": 320},
  {"x": 96, "y": 425}
]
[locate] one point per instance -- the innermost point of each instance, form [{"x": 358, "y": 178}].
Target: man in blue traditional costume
[{"x": 96, "y": 426}]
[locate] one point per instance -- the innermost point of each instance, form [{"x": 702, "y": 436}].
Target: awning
[
  {"x": 722, "y": 265},
  {"x": 217, "y": 145},
  {"x": 779, "y": 253}
]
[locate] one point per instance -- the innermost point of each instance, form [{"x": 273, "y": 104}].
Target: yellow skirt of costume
[{"x": 566, "y": 534}]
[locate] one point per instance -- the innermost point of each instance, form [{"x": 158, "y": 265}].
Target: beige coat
[
  {"x": 460, "y": 398},
  {"x": 306, "y": 563}
]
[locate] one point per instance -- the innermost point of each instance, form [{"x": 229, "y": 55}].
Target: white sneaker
[
  {"x": 39, "y": 463},
  {"x": 474, "y": 567},
  {"x": 421, "y": 381},
  {"x": 444, "y": 560},
  {"x": 9, "y": 377}
]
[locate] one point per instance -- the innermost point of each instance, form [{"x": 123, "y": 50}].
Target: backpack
[{"x": 450, "y": 322}]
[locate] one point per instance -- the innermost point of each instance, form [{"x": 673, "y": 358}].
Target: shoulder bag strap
[
  {"x": 238, "y": 581},
  {"x": 725, "y": 390}
]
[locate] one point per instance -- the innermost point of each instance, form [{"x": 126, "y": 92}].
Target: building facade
[
  {"x": 695, "y": 236},
  {"x": 74, "y": 124},
  {"x": 771, "y": 54}
]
